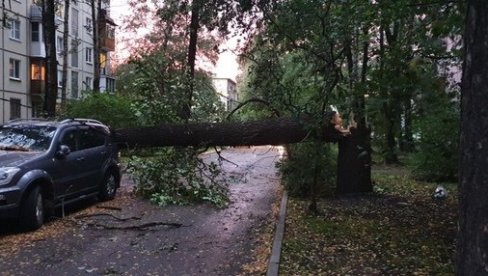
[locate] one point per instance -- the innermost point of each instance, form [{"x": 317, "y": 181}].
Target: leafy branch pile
[
  {"x": 178, "y": 176},
  {"x": 400, "y": 231}
]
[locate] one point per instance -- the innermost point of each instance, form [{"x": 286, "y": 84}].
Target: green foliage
[
  {"x": 177, "y": 176},
  {"x": 437, "y": 155},
  {"x": 110, "y": 109},
  {"x": 298, "y": 170},
  {"x": 158, "y": 80}
]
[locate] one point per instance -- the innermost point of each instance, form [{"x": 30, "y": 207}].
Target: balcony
[
  {"x": 37, "y": 76},
  {"x": 35, "y": 13},
  {"x": 107, "y": 31},
  {"x": 38, "y": 87},
  {"x": 107, "y": 43}
]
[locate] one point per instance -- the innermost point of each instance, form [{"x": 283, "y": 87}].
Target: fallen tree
[
  {"x": 275, "y": 131},
  {"x": 354, "y": 158}
]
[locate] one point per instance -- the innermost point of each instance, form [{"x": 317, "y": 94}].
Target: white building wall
[
  {"x": 16, "y": 49},
  {"x": 23, "y": 49},
  {"x": 227, "y": 91}
]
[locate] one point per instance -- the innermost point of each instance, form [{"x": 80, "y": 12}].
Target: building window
[
  {"x": 89, "y": 55},
  {"x": 35, "y": 34},
  {"x": 74, "y": 84},
  {"x": 74, "y": 22},
  {"x": 60, "y": 79},
  {"x": 14, "y": 29},
  {"x": 88, "y": 83},
  {"x": 14, "y": 69},
  {"x": 110, "y": 85},
  {"x": 14, "y": 108},
  {"x": 59, "y": 45},
  {"x": 37, "y": 71},
  {"x": 74, "y": 54},
  {"x": 88, "y": 25},
  {"x": 59, "y": 11},
  {"x": 36, "y": 110}
]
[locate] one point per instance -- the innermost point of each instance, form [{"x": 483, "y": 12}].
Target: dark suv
[{"x": 46, "y": 164}]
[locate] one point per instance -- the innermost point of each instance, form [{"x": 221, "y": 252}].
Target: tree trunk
[
  {"x": 48, "y": 22},
  {"x": 192, "y": 54},
  {"x": 276, "y": 131},
  {"x": 389, "y": 154},
  {"x": 95, "y": 9},
  {"x": 64, "y": 80},
  {"x": 354, "y": 174},
  {"x": 353, "y": 163},
  {"x": 472, "y": 244}
]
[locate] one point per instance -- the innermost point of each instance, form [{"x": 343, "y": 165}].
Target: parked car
[{"x": 47, "y": 164}]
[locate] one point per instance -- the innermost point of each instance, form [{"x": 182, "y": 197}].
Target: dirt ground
[{"x": 129, "y": 236}]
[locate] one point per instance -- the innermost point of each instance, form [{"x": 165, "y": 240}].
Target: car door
[
  {"x": 68, "y": 171},
  {"x": 92, "y": 143}
]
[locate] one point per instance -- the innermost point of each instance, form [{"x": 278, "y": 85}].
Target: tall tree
[
  {"x": 96, "y": 17},
  {"x": 48, "y": 20},
  {"x": 64, "y": 76},
  {"x": 310, "y": 58},
  {"x": 472, "y": 245}
]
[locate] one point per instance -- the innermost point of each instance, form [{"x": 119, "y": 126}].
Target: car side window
[
  {"x": 69, "y": 139},
  {"x": 90, "y": 138}
]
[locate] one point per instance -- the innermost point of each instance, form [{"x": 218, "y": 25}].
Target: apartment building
[
  {"x": 23, "y": 55},
  {"x": 227, "y": 91}
]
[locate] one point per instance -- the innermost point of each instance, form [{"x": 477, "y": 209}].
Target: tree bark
[
  {"x": 276, "y": 131},
  {"x": 353, "y": 163},
  {"x": 192, "y": 54},
  {"x": 95, "y": 9},
  {"x": 48, "y": 21},
  {"x": 472, "y": 244},
  {"x": 64, "y": 80}
]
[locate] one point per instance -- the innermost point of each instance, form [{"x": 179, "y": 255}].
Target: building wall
[
  {"x": 17, "y": 49},
  {"x": 26, "y": 51},
  {"x": 227, "y": 91}
]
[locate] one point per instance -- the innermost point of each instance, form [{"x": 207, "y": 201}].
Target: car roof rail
[{"x": 82, "y": 120}]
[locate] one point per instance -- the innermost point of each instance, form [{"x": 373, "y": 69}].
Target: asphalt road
[{"x": 174, "y": 240}]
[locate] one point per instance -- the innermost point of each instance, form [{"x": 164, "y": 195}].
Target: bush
[
  {"x": 436, "y": 156},
  {"x": 110, "y": 109},
  {"x": 299, "y": 169}
]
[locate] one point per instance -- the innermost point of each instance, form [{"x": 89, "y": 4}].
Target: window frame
[
  {"x": 15, "y": 106},
  {"x": 59, "y": 45},
  {"x": 88, "y": 25},
  {"x": 14, "y": 33},
  {"x": 89, "y": 55},
  {"x": 35, "y": 33},
  {"x": 88, "y": 83},
  {"x": 14, "y": 69},
  {"x": 60, "y": 79}
]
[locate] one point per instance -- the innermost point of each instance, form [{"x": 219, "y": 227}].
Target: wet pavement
[{"x": 174, "y": 240}]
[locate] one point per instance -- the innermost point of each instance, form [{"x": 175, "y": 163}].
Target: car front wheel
[
  {"x": 109, "y": 186},
  {"x": 32, "y": 211}
]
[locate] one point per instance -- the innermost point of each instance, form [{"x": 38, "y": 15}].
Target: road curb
[{"x": 274, "y": 260}]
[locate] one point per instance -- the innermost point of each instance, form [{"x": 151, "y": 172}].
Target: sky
[{"x": 227, "y": 66}]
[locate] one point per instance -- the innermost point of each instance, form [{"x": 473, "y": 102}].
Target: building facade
[
  {"x": 23, "y": 55},
  {"x": 227, "y": 91}
]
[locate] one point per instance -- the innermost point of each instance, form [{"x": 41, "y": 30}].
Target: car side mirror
[{"x": 63, "y": 151}]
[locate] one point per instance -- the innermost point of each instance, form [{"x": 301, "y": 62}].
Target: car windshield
[{"x": 26, "y": 138}]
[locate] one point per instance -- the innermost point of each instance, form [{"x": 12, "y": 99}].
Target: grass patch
[{"x": 399, "y": 230}]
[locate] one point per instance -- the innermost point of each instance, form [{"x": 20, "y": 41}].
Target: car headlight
[{"x": 7, "y": 173}]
